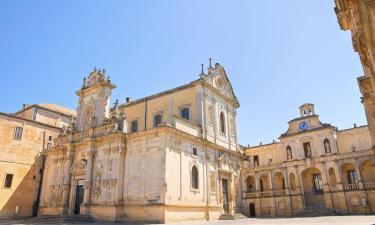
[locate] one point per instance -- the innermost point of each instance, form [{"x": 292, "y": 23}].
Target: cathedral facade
[
  {"x": 174, "y": 156},
  {"x": 168, "y": 157}
]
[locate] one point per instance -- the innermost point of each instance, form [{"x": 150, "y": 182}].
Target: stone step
[
  {"x": 236, "y": 216},
  {"x": 72, "y": 219},
  {"x": 315, "y": 212}
]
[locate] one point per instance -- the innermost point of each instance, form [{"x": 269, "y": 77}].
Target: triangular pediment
[{"x": 218, "y": 78}]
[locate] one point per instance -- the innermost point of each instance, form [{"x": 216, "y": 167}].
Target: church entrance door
[
  {"x": 79, "y": 196},
  {"x": 224, "y": 184}
]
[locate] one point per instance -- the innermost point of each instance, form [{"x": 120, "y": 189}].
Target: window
[
  {"x": 317, "y": 184},
  {"x": 256, "y": 160},
  {"x": 352, "y": 177},
  {"x": 327, "y": 146},
  {"x": 49, "y": 145},
  {"x": 194, "y": 177},
  {"x": 157, "y": 120},
  {"x": 49, "y": 138},
  {"x": 8, "y": 181},
  {"x": 195, "y": 152},
  {"x": 134, "y": 126},
  {"x": 289, "y": 155},
  {"x": 307, "y": 149},
  {"x": 222, "y": 122},
  {"x": 185, "y": 113},
  {"x": 18, "y": 133}
]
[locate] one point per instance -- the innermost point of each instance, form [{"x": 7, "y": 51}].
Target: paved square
[{"x": 330, "y": 220}]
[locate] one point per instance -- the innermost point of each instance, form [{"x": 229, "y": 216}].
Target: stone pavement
[{"x": 329, "y": 220}]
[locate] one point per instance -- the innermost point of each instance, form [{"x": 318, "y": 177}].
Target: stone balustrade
[
  {"x": 369, "y": 186},
  {"x": 302, "y": 162},
  {"x": 351, "y": 187},
  {"x": 94, "y": 132}
]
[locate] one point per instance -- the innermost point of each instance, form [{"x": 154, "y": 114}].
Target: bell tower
[
  {"x": 94, "y": 100},
  {"x": 307, "y": 109}
]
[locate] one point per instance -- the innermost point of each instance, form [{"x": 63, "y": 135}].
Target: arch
[
  {"x": 292, "y": 181},
  {"x": 332, "y": 177},
  {"x": 278, "y": 181},
  {"x": 313, "y": 187},
  {"x": 264, "y": 182},
  {"x": 185, "y": 113},
  {"x": 194, "y": 178},
  {"x": 134, "y": 126},
  {"x": 250, "y": 182},
  {"x": 158, "y": 118},
  {"x": 289, "y": 154},
  {"x": 368, "y": 171},
  {"x": 327, "y": 146},
  {"x": 349, "y": 173},
  {"x": 222, "y": 122}
]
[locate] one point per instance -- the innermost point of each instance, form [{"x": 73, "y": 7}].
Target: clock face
[{"x": 304, "y": 125}]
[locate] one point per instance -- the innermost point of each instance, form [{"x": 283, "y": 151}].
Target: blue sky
[{"x": 277, "y": 54}]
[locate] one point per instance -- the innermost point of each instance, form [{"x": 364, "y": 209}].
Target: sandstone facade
[
  {"x": 312, "y": 166},
  {"x": 168, "y": 157},
  {"x": 23, "y": 138}
]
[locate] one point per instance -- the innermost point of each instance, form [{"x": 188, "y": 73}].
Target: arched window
[
  {"x": 157, "y": 120},
  {"x": 222, "y": 122},
  {"x": 134, "y": 126},
  {"x": 185, "y": 113},
  {"x": 194, "y": 177},
  {"x": 327, "y": 146},
  {"x": 289, "y": 155}
]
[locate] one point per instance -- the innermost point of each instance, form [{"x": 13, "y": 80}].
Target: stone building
[
  {"x": 312, "y": 167},
  {"x": 24, "y": 136},
  {"x": 358, "y": 16},
  {"x": 167, "y": 157}
]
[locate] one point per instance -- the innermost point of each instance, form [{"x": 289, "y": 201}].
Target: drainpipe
[{"x": 146, "y": 114}]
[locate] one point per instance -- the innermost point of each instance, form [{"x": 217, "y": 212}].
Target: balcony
[
  {"x": 264, "y": 194},
  {"x": 369, "y": 186},
  {"x": 351, "y": 187}
]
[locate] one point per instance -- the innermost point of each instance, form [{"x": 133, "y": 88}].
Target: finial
[
  {"x": 95, "y": 69},
  {"x": 84, "y": 82},
  {"x": 202, "y": 72},
  {"x": 116, "y": 103},
  {"x": 99, "y": 71},
  {"x": 210, "y": 62},
  {"x": 103, "y": 71}
]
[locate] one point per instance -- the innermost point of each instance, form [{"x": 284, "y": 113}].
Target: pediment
[{"x": 219, "y": 80}]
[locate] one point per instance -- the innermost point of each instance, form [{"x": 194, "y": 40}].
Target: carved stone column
[
  {"x": 66, "y": 182},
  {"x": 341, "y": 197},
  {"x": 120, "y": 177},
  {"x": 87, "y": 186},
  {"x": 368, "y": 101}
]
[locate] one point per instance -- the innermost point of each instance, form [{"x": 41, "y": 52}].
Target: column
[
  {"x": 343, "y": 203},
  {"x": 326, "y": 187},
  {"x": 120, "y": 176},
  {"x": 66, "y": 182},
  {"x": 287, "y": 189},
  {"x": 87, "y": 186},
  {"x": 357, "y": 169}
]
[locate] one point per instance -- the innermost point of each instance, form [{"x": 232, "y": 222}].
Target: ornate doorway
[
  {"x": 79, "y": 196},
  {"x": 224, "y": 183}
]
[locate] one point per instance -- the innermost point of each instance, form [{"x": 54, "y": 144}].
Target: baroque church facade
[
  {"x": 174, "y": 156},
  {"x": 168, "y": 157}
]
